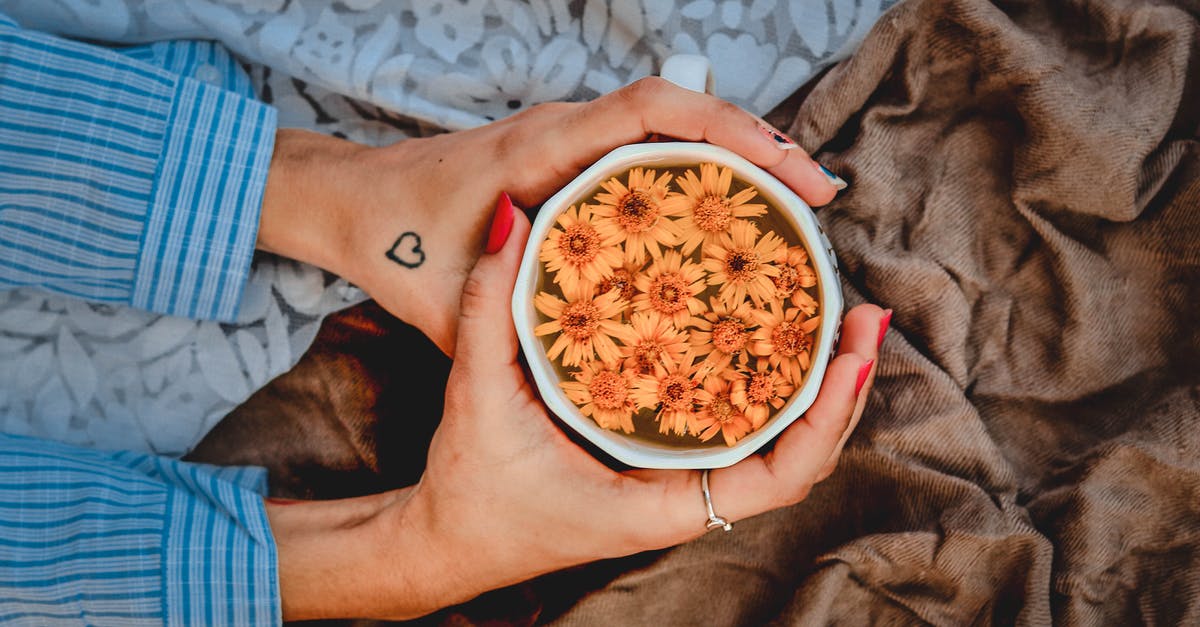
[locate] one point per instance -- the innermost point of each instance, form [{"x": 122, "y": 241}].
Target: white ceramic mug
[{"x": 692, "y": 72}]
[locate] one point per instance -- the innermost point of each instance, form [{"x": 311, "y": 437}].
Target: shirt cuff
[
  {"x": 207, "y": 195},
  {"x": 219, "y": 556}
]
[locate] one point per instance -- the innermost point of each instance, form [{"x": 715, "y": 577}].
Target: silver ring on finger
[{"x": 714, "y": 520}]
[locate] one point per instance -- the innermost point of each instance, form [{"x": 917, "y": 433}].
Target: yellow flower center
[
  {"x": 608, "y": 390},
  {"x": 790, "y": 340},
  {"x": 580, "y": 320},
  {"x": 729, "y": 335},
  {"x": 637, "y": 211},
  {"x": 668, "y": 293},
  {"x": 786, "y": 282},
  {"x": 712, "y": 214},
  {"x": 721, "y": 409},
  {"x": 676, "y": 392},
  {"x": 741, "y": 265},
  {"x": 579, "y": 244},
  {"x": 621, "y": 279},
  {"x": 761, "y": 388}
]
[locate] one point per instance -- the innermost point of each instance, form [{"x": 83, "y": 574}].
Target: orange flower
[
  {"x": 602, "y": 392},
  {"x": 669, "y": 286},
  {"x": 650, "y": 340},
  {"x": 576, "y": 251},
  {"x": 708, "y": 209},
  {"x": 584, "y": 323},
  {"x": 723, "y": 334},
  {"x": 673, "y": 391},
  {"x": 636, "y": 215},
  {"x": 718, "y": 414},
  {"x": 785, "y": 338},
  {"x": 756, "y": 392},
  {"x": 741, "y": 264},
  {"x": 794, "y": 272},
  {"x": 621, "y": 279}
]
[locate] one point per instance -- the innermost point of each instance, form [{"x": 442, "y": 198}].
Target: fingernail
[
  {"x": 834, "y": 179},
  {"x": 782, "y": 142},
  {"x": 863, "y": 372},
  {"x": 884, "y": 323},
  {"x": 502, "y": 224}
]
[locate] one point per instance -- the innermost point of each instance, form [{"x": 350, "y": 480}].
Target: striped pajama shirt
[{"x": 134, "y": 177}]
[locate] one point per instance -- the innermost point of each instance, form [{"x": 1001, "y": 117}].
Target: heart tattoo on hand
[{"x": 407, "y": 250}]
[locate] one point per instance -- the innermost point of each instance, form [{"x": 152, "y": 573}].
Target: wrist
[{"x": 309, "y": 192}]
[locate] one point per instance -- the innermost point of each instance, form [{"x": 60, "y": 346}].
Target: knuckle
[
  {"x": 474, "y": 295},
  {"x": 644, "y": 90},
  {"x": 722, "y": 109},
  {"x": 797, "y": 493}
]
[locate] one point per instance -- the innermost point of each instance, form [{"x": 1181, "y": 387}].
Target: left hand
[{"x": 343, "y": 206}]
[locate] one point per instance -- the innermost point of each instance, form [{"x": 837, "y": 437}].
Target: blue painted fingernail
[
  {"x": 834, "y": 179},
  {"x": 782, "y": 142}
]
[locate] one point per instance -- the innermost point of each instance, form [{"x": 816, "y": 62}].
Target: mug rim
[{"x": 795, "y": 211}]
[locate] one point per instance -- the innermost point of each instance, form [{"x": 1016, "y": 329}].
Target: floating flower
[
  {"x": 794, "y": 275},
  {"x": 671, "y": 389},
  {"x": 669, "y": 286},
  {"x": 650, "y": 340},
  {"x": 740, "y": 263},
  {"x": 709, "y": 211},
  {"x": 576, "y": 251},
  {"x": 584, "y": 323},
  {"x": 718, "y": 414},
  {"x": 602, "y": 391},
  {"x": 621, "y": 279},
  {"x": 756, "y": 392},
  {"x": 804, "y": 301},
  {"x": 785, "y": 338},
  {"x": 723, "y": 334},
  {"x": 635, "y": 214}
]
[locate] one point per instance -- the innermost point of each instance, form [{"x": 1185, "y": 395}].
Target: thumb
[{"x": 486, "y": 335}]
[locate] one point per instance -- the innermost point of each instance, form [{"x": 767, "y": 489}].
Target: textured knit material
[{"x": 124, "y": 182}]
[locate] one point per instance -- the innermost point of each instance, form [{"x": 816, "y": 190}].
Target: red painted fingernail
[
  {"x": 278, "y": 501},
  {"x": 862, "y": 377},
  {"x": 884, "y": 323},
  {"x": 502, "y": 224}
]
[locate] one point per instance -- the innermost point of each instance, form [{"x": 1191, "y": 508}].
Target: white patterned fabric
[{"x": 375, "y": 72}]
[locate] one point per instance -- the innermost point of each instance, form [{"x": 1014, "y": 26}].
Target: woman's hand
[
  {"x": 506, "y": 496},
  {"x": 407, "y": 222}
]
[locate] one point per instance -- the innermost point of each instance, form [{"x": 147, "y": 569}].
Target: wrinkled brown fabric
[{"x": 1025, "y": 194}]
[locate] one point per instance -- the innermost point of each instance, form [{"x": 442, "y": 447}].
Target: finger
[
  {"x": 653, "y": 105},
  {"x": 487, "y": 337},
  {"x": 862, "y": 331},
  {"x": 761, "y": 483}
]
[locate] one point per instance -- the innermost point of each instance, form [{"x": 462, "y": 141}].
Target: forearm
[
  {"x": 310, "y": 196},
  {"x": 360, "y": 557}
]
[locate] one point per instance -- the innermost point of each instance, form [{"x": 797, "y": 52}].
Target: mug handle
[{"x": 689, "y": 71}]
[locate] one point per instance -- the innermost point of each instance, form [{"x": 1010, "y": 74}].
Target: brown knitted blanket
[{"x": 1025, "y": 193}]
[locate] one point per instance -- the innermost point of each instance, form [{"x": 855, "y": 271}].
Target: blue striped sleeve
[
  {"x": 124, "y": 179},
  {"x": 129, "y": 539}
]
